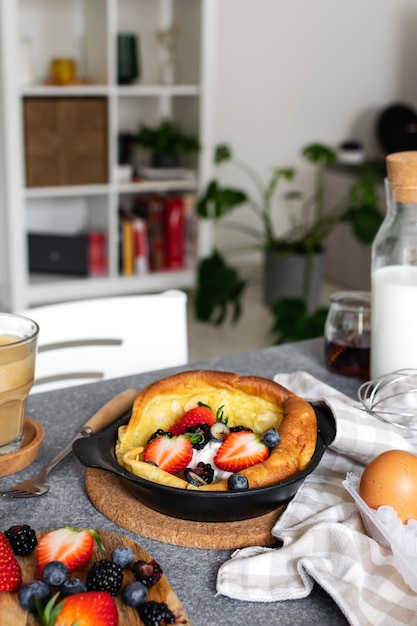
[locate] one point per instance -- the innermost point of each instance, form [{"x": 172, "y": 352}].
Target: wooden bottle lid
[{"x": 402, "y": 176}]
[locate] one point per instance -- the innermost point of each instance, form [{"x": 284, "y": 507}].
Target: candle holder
[{"x": 167, "y": 39}]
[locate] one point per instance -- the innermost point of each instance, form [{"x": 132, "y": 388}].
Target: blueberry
[
  {"x": 271, "y": 438},
  {"x": 71, "y": 586},
  {"x": 55, "y": 573},
  {"x": 30, "y": 591},
  {"x": 123, "y": 556},
  {"x": 238, "y": 482},
  {"x": 134, "y": 594}
]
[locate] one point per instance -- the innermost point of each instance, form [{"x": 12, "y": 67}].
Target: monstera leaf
[{"x": 219, "y": 201}]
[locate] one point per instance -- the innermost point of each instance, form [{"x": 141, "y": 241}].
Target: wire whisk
[{"x": 392, "y": 398}]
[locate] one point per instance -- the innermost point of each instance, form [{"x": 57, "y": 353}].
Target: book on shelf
[
  {"x": 157, "y": 233},
  {"x": 128, "y": 247},
  {"x": 141, "y": 245},
  {"x": 133, "y": 246},
  {"x": 174, "y": 228},
  {"x": 190, "y": 230},
  {"x": 97, "y": 253},
  {"x": 151, "y": 208}
]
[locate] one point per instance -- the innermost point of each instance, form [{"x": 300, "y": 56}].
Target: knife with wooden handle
[{"x": 110, "y": 411}]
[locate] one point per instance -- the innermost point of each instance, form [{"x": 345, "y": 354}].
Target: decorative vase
[
  {"x": 285, "y": 276},
  {"x": 128, "y": 66}
]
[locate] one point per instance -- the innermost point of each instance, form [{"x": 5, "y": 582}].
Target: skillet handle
[
  {"x": 91, "y": 455},
  {"x": 325, "y": 421}
]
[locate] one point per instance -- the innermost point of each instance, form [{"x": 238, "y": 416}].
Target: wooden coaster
[
  {"x": 11, "y": 612},
  {"x": 13, "y": 462},
  {"x": 109, "y": 495}
]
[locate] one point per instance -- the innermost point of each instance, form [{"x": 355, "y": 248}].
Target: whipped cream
[{"x": 206, "y": 455}]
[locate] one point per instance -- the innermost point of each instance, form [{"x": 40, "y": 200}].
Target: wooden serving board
[
  {"x": 12, "y": 615},
  {"x": 109, "y": 495}
]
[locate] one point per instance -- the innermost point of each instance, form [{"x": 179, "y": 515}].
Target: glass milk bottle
[{"x": 394, "y": 271}]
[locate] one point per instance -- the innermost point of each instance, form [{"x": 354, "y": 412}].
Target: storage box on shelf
[{"x": 61, "y": 172}]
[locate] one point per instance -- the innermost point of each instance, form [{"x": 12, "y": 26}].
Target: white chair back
[{"x": 88, "y": 340}]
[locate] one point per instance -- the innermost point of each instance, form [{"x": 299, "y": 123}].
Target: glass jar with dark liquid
[{"x": 347, "y": 334}]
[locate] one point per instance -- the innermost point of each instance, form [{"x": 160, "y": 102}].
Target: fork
[{"x": 38, "y": 485}]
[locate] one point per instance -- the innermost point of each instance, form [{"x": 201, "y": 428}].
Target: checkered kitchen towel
[{"x": 322, "y": 533}]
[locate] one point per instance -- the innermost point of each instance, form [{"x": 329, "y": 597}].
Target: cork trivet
[
  {"x": 402, "y": 175},
  {"x": 32, "y": 438},
  {"x": 109, "y": 495}
]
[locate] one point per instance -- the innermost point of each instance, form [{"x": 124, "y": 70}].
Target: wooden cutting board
[{"x": 12, "y": 615}]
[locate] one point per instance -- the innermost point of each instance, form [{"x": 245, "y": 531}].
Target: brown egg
[{"x": 391, "y": 479}]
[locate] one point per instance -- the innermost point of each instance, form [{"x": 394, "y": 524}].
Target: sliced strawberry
[
  {"x": 72, "y": 547},
  {"x": 92, "y": 608},
  {"x": 199, "y": 415},
  {"x": 171, "y": 454},
  {"x": 240, "y": 450},
  {"x": 10, "y": 572}
]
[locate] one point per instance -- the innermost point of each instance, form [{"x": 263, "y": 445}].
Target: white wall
[{"x": 295, "y": 71}]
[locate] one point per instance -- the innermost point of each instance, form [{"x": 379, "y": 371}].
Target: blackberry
[
  {"x": 22, "y": 539},
  {"x": 105, "y": 575},
  {"x": 204, "y": 471},
  {"x": 238, "y": 429},
  {"x": 147, "y": 573},
  {"x": 201, "y": 435},
  {"x": 159, "y": 433},
  {"x": 155, "y": 614}
]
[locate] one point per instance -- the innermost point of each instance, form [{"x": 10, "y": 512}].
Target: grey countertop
[{"x": 191, "y": 571}]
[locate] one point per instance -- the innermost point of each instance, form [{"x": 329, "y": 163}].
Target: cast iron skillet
[{"x": 223, "y": 506}]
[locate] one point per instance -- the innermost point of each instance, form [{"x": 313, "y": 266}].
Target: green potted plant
[
  {"x": 167, "y": 143},
  {"x": 220, "y": 286}
]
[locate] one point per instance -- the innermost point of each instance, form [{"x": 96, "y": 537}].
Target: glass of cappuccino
[{"x": 18, "y": 341}]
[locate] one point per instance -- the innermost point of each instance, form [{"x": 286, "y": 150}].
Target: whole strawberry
[
  {"x": 10, "y": 573},
  {"x": 198, "y": 415},
  {"x": 92, "y": 608}
]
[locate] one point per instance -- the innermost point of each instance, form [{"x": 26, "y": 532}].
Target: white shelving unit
[{"x": 86, "y": 30}]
